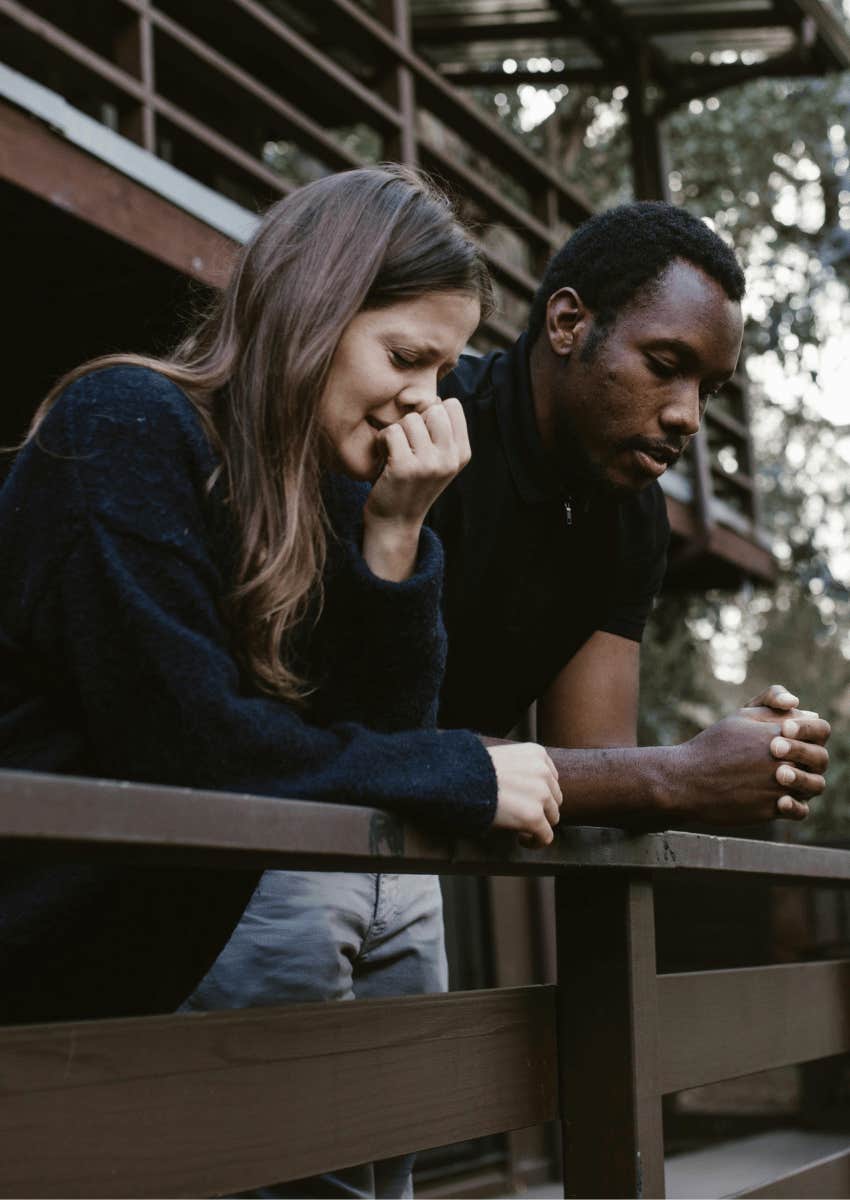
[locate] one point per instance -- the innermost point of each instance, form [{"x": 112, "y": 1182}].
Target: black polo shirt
[{"x": 532, "y": 569}]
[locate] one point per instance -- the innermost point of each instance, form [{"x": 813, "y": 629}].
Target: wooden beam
[
  {"x": 582, "y": 23},
  {"x": 56, "y": 815},
  {"x": 498, "y": 79},
  {"x": 648, "y": 166},
  {"x": 705, "y": 81},
  {"x": 608, "y": 17},
  {"x": 744, "y": 553},
  {"x": 39, "y": 161},
  {"x": 831, "y": 29},
  {"x": 507, "y": 27},
  {"x": 673, "y": 21},
  {"x": 722, "y": 1024},
  {"x": 196, "y": 1105},
  {"x": 398, "y": 87}
]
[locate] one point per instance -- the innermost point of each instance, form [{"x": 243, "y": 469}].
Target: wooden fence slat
[
  {"x": 828, "y": 1176},
  {"x": 199, "y": 1104},
  {"x": 716, "y": 1025}
]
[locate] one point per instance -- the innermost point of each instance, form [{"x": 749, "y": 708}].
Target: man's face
[{"x": 630, "y": 397}]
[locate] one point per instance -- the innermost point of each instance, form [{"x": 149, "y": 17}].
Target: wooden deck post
[
  {"x": 398, "y": 89},
  {"x": 607, "y": 1037}
]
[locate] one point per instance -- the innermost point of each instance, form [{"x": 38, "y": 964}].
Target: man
[{"x": 556, "y": 533}]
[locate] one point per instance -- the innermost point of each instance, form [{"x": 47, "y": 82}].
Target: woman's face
[{"x": 388, "y": 363}]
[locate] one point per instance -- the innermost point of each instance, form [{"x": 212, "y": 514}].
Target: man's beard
[{"x": 586, "y": 476}]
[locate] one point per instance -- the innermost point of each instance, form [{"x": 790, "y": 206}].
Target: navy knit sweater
[{"x": 115, "y": 662}]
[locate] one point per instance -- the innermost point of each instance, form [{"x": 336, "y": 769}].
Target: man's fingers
[
  {"x": 807, "y": 730},
  {"x": 761, "y": 713},
  {"x": 810, "y": 755},
  {"x": 802, "y": 783},
  {"x": 791, "y": 809},
  {"x": 775, "y": 696}
]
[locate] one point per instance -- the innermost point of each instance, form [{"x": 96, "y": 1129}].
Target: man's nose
[{"x": 683, "y": 413}]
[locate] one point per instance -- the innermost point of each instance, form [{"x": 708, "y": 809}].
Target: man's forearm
[
  {"x": 726, "y": 775},
  {"x": 614, "y": 786}
]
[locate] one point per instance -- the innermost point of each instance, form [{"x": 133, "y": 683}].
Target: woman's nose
[{"x": 418, "y": 399}]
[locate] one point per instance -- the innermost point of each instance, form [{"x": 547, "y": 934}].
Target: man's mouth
[{"x": 655, "y": 459}]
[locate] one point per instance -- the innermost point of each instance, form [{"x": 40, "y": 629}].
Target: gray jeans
[{"x": 309, "y": 935}]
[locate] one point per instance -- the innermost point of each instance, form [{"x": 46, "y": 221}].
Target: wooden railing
[{"x": 188, "y": 1105}]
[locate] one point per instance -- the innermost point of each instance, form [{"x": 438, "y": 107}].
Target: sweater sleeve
[
  {"x": 379, "y": 648},
  {"x": 138, "y": 600}
]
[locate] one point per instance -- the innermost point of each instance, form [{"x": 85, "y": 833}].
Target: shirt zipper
[{"x": 568, "y": 510}]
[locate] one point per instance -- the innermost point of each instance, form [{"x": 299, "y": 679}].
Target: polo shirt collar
[{"x": 532, "y": 472}]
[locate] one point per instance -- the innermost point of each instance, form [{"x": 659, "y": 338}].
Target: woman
[{"x": 200, "y": 588}]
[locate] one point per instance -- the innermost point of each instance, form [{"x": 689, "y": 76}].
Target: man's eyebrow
[
  {"x": 673, "y": 343},
  {"x": 687, "y": 353}
]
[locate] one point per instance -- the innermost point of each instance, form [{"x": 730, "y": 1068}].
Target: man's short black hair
[{"x": 614, "y": 254}]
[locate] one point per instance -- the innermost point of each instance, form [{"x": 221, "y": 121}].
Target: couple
[{"x": 222, "y": 569}]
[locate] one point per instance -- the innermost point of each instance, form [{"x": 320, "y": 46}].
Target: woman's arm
[
  {"x": 134, "y": 620},
  {"x": 385, "y": 582}
]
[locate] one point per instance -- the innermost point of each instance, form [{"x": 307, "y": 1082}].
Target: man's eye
[{"x": 662, "y": 369}]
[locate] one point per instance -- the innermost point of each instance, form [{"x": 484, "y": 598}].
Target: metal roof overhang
[{"x": 688, "y": 47}]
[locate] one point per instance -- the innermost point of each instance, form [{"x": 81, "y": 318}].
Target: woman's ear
[{"x": 565, "y": 313}]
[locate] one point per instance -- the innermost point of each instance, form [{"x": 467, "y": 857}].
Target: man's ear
[{"x": 566, "y": 315}]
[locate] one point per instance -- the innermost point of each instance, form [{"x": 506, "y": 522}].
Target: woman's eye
[{"x": 402, "y": 360}]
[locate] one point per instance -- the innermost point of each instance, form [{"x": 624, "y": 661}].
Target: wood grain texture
[
  {"x": 199, "y": 1104},
  {"x": 720, "y": 1024},
  {"x": 67, "y": 815}
]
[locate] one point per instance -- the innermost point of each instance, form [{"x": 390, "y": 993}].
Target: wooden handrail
[{"x": 206, "y": 828}]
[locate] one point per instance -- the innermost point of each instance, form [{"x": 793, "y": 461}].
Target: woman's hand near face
[{"x": 425, "y": 451}]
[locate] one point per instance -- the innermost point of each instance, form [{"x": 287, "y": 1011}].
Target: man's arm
[
  {"x": 593, "y": 702},
  {"x": 726, "y": 775}
]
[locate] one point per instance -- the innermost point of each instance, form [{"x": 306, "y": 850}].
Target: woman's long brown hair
[{"x": 256, "y": 366}]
